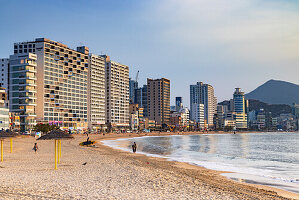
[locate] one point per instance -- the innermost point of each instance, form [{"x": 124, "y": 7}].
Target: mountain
[
  {"x": 256, "y": 105},
  {"x": 276, "y": 92}
]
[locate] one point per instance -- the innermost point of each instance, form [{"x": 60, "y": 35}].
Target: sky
[{"x": 225, "y": 43}]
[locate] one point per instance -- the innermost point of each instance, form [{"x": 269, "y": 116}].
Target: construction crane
[{"x": 136, "y": 79}]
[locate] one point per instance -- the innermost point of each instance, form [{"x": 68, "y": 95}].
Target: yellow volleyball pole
[
  {"x": 59, "y": 151},
  {"x": 55, "y": 154},
  {"x": 1, "y": 150},
  {"x": 10, "y": 145}
]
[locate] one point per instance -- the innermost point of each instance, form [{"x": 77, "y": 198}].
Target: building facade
[
  {"x": 4, "y": 111},
  {"x": 178, "y": 103},
  {"x": 51, "y": 83},
  {"x": 23, "y": 88},
  {"x": 198, "y": 114},
  {"x": 4, "y": 65},
  {"x": 61, "y": 82},
  {"x": 203, "y": 94},
  {"x": 240, "y": 109},
  {"x": 141, "y": 98},
  {"x": 117, "y": 94},
  {"x": 158, "y": 100},
  {"x": 133, "y": 85},
  {"x": 96, "y": 92}
]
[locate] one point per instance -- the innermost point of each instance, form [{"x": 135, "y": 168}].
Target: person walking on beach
[
  {"x": 35, "y": 147},
  {"x": 134, "y": 147}
]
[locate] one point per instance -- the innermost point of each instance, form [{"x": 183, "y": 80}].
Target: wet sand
[{"x": 112, "y": 174}]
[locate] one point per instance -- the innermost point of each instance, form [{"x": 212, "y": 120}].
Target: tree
[{"x": 45, "y": 128}]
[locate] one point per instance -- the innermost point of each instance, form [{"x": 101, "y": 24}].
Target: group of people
[{"x": 134, "y": 146}]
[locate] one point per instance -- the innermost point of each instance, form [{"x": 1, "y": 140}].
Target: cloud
[
  {"x": 264, "y": 33},
  {"x": 227, "y": 43}
]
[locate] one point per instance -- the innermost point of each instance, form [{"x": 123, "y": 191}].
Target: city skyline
[{"x": 228, "y": 45}]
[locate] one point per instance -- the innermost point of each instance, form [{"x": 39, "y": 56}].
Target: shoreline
[
  {"x": 281, "y": 192},
  {"x": 102, "y": 172}
]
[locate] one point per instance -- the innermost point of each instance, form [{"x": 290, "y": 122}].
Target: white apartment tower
[
  {"x": 198, "y": 114},
  {"x": 61, "y": 82},
  {"x": 96, "y": 92},
  {"x": 117, "y": 94},
  {"x": 203, "y": 94}
]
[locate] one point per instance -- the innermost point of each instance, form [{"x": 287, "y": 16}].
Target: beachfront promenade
[{"x": 108, "y": 174}]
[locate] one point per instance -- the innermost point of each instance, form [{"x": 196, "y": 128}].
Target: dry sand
[{"x": 112, "y": 174}]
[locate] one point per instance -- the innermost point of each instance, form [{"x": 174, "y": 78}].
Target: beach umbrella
[
  {"x": 4, "y": 135},
  {"x": 56, "y": 135}
]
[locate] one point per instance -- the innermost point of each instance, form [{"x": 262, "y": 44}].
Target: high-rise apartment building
[
  {"x": 51, "y": 83},
  {"x": 203, "y": 94},
  {"x": 96, "y": 92},
  {"x": 133, "y": 85},
  {"x": 4, "y": 111},
  {"x": 117, "y": 93},
  {"x": 220, "y": 114},
  {"x": 61, "y": 82},
  {"x": 158, "y": 100},
  {"x": 4, "y": 65},
  {"x": 178, "y": 103},
  {"x": 141, "y": 98},
  {"x": 240, "y": 109},
  {"x": 4, "y": 76},
  {"x": 23, "y": 88},
  {"x": 198, "y": 114}
]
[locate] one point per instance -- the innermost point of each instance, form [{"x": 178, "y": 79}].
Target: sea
[{"x": 270, "y": 159}]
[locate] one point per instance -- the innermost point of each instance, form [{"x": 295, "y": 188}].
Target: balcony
[
  {"x": 28, "y": 115},
  {"x": 30, "y": 77}
]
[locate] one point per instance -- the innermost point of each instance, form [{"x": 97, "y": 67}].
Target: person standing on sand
[
  {"x": 134, "y": 147},
  {"x": 35, "y": 147}
]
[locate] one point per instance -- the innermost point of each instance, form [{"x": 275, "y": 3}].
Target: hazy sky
[{"x": 226, "y": 43}]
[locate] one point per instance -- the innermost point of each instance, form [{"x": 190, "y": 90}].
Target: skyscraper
[
  {"x": 4, "y": 77},
  {"x": 198, "y": 114},
  {"x": 96, "y": 92},
  {"x": 23, "y": 88},
  {"x": 203, "y": 94},
  {"x": 4, "y": 111},
  {"x": 158, "y": 100},
  {"x": 4, "y": 63},
  {"x": 141, "y": 98},
  {"x": 178, "y": 103},
  {"x": 133, "y": 85},
  {"x": 54, "y": 84},
  {"x": 60, "y": 77},
  {"x": 117, "y": 94},
  {"x": 240, "y": 109}
]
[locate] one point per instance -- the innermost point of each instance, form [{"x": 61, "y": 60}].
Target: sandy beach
[{"x": 112, "y": 174}]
